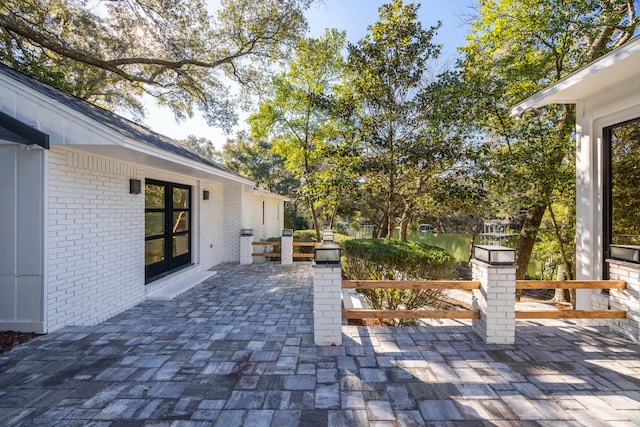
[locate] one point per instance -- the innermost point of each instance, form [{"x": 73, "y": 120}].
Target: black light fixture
[
  {"x": 327, "y": 253},
  {"x": 205, "y": 195},
  {"x": 135, "y": 186},
  {"x": 246, "y": 232},
  {"x": 287, "y": 232},
  {"x": 494, "y": 254},
  {"x": 627, "y": 253}
]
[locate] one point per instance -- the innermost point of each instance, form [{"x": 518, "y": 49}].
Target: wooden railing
[
  {"x": 303, "y": 244},
  {"x": 267, "y": 254},
  {"x": 358, "y": 313},
  {"x": 278, "y": 254},
  {"x": 570, "y": 314}
]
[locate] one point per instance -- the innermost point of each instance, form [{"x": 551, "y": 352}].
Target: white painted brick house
[{"x": 79, "y": 244}]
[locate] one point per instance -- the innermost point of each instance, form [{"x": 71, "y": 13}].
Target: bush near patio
[{"x": 393, "y": 259}]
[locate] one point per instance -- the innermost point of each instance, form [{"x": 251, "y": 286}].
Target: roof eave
[{"x": 559, "y": 92}]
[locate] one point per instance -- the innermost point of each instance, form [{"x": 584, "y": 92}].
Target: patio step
[{"x": 171, "y": 291}]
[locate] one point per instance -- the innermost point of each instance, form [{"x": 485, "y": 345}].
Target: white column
[
  {"x": 495, "y": 300},
  {"x": 327, "y": 304},
  {"x": 627, "y": 299},
  {"x": 246, "y": 249},
  {"x": 286, "y": 250}
]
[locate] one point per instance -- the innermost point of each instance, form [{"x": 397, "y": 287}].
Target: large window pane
[
  {"x": 625, "y": 183},
  {"x": 180, "y": 244},
  {"x": 180, "y": 221},
  {"x": 180, "y": 198},
  {"x": 153, "y": 196},
  {"x": 153, "y": 223},
  {"x": 153, "y": 251}
]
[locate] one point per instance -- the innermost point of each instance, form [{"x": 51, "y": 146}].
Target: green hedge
[{"x": 393, "y": 259}]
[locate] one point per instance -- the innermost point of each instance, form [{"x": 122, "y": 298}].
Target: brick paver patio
[{"x": 238, "y": 350}]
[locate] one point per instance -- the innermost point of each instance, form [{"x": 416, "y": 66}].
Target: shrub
[{"x": 393, "y": 259}]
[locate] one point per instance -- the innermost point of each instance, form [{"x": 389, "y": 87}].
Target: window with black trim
[
  {"x": 167, "y": 224},
  {"x": 622, "y": 184}
]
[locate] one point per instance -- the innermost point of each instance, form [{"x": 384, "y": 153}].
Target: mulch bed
[{"x": 10, "y": 339}]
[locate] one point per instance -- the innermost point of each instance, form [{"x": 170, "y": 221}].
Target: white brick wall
[
  {"x": 628, "y": 299},
  {"x": 496, "y": 302},
  {"x": 327, "y": 304},
  {"x": 212, "y": 225},
  {"x": 95, "y": 239},
  {"x": 286, "y": 250},
  {"x": 232, "y": 222}
]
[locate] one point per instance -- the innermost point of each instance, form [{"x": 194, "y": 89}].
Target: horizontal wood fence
[
  {"x": 570, "y": 314},
  {"x": 361, "y": 313},
  {"x": 278, "y": 254}
]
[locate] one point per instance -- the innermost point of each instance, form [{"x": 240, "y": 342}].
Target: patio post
[
  {"x": 626, "y": 299},
  {"x": 286, "y": 247},
  {"x": 327, "y": 304},
  {"x": 494, "y": 267},
  {"x": 246, "y": 238},
  {"x": 327, "y": 292}
]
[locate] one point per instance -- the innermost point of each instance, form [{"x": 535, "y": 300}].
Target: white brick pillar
[
  {"x": 286, "y": 247},
  {"x": 495, "y": 300},
  {"x": 327, "y": 304},
  {"x": 246, "y": 238},
  {"x": 627, "y": 299}
]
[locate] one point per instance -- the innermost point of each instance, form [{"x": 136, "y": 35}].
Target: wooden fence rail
[
  {"x": 360, "y": 313},
  {"x": 570, "y": 314},
  {"x": 474, "y": 314},
  {"x": 279, "y": 254}
]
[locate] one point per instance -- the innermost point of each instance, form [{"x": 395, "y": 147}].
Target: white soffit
[{"x": 605, "y": 72}]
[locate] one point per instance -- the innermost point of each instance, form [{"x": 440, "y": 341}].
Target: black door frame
[{"x": 169, "y": 263}]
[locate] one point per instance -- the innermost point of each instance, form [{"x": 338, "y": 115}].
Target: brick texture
[{"x": 95, "y": 239}]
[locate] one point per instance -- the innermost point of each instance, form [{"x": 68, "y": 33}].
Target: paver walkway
[{"x": 238, "y": 350}]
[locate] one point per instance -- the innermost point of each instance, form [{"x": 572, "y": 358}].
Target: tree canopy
[{"x": 112, "y": 52}]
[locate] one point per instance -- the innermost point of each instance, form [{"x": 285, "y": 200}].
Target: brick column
[
  {"x": 495, "y": 300},
  {"x": 327, "y": 304},
  {"x": 246, "y": 249},
  {"x": 286, "y": 249},
  {"x": 627, "y": 299}
]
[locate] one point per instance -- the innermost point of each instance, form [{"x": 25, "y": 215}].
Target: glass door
[{"x": 167, "y": 227}]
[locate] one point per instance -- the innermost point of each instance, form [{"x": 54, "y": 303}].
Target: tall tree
[
  {"x": 256, "y": 160},
  {"x": 516, "y": 48},
  {"x": 293, "y": 116},
  {"x": 390, "y": 65},
  {"x": 111, "y": 52}
]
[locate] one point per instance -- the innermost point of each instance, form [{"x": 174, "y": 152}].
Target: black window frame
[{"x": 607, "y": 193}]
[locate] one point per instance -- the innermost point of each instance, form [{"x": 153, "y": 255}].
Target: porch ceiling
[{"x": 605, "y": 72}]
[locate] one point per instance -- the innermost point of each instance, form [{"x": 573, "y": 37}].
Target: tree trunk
[
  {"x": 563, "y": 253},
  {"x": 561, "y": 295},
  {"x": 527, "y": 239},
  {"x": 314, "y": 218},
  {"x": 473, "y": 242},
  {"x": 404, "y": 222}
]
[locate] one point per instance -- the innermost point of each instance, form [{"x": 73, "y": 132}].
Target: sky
[{"x": 353, "y": 16}]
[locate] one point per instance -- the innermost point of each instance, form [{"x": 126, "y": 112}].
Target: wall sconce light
[
  {"x": 135, "y": 186},
  {"x": 625, "y": 253},
  {"x": 495, "y": 255},
  {"x": 205, "y": 195},
  {"x": 327, "y": 253},
  {"x": 287, "y": 232},
  {"x": 246, "y": 232}
]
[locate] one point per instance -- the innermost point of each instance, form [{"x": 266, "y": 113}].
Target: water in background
[{"x": 457, "y": 245}]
